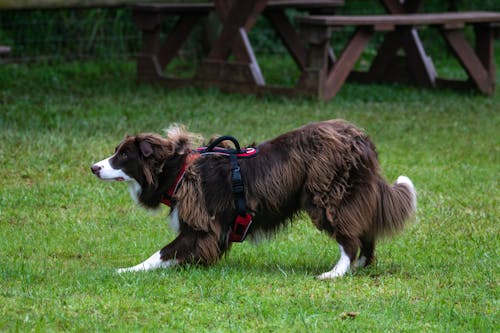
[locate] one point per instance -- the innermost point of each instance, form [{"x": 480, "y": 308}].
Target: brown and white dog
[{"x": 328, "y": 169}]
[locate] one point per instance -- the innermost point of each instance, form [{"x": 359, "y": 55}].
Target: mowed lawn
[{"x": 63, "y": 232}]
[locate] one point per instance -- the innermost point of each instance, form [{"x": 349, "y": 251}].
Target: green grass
[{"x": 63, "y": 233}]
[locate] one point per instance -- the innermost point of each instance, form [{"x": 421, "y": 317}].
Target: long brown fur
[{"x": 329, "y": 169}]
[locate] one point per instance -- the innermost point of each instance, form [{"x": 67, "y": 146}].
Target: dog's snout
[{"x": 95, "y": 169}]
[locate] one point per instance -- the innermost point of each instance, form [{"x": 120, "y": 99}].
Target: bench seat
[{"x": 389, "y": 22}]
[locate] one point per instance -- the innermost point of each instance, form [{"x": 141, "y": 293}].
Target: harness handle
[{"x": 222, "y": 139}]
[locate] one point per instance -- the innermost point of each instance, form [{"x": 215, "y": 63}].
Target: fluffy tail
[{"x": 396, "y": 205}]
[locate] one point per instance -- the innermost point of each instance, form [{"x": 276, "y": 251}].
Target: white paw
[
  {"x": 153, "y": 262},
  {"x": 329, "y": 275},
  {"x": 340, "y": 268},
  {"x": 125, "y": 270}
]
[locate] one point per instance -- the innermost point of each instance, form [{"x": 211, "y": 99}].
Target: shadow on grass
[{"x": 275, "y": 268}]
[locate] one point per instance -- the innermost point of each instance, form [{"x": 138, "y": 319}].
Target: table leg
[
  {"x": 419, "y": 63},
  {"x": 168, "y": 50},
  {"x": 148, "y": 67},
  {"x": 478, "y": 67},
  {"x": 346, "y": 61},
  {"x": 236, "y": 16},
  {"x": 484, "y": 47},
  {"x": 288, "y": 35},
  {"x": 319, "y": 78},
  {"x": 154, "y": 55}
]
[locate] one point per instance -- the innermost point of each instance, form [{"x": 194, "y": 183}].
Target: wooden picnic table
[
  {"x": 232, "y": 64},
  {"x": 242, "y": 73}
]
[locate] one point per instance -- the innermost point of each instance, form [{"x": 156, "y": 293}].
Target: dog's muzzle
[
  {"x": 106, "y": 173},
  {"x": 95, "y": 169}
]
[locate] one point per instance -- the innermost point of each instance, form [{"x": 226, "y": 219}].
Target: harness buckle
[{"x": 240, "y": 228}]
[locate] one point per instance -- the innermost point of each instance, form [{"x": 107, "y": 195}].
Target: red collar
[{"x": 167, "y": 197}]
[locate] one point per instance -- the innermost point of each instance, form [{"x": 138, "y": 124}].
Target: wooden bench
[
  {"x": 320, "y": 79},
  {"x": 243, "y": 74}
]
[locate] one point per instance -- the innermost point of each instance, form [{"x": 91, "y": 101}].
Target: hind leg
[
  {"x": 348, "y": 251},
  {"x": 367, "y": 253}
]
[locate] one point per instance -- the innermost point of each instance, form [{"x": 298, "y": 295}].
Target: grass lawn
[{"x": 63, "y": 232}]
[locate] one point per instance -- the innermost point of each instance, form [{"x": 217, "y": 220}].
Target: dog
[{"x": 328, "y": 169}]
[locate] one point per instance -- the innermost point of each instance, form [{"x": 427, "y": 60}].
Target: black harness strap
[{"x": 243, "y": 219}]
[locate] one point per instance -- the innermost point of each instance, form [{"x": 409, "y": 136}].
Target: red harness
[
  {"x": 166, "y": 199},
  {"x": 244, "y": 218}
]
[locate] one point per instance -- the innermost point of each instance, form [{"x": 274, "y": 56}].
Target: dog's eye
[{"x": 124, "y": 155}]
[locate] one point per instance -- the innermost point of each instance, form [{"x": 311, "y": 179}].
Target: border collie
[{"x": 328, "y": 169}]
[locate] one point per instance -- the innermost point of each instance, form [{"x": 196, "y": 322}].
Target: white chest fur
[{"x": 174, "y": 220}]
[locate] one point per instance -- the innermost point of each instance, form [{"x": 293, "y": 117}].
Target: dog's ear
[{"x": 146, "y": 148}]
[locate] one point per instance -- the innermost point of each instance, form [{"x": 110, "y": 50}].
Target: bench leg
[
  {"x": 485, "y": 49},
  {"x": 291, "y": 39},
  {"x": 473, "y": 64},
  {"x": 154, "y": 55},
  {"x": 177, "y": 37},
  {"x": 419, "y": 64},
  {"x": 287, "y": 33},
  {"x": 320, "y": 78},
  {"x": 346, "y": 61},
  {"x": 148, "y": 67}
]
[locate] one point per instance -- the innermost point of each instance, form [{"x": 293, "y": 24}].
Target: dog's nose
[{"x": 95, "y": 169}]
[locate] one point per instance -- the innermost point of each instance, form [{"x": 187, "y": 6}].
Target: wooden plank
[
  {"x": 235, "y": 19},
  {"x": 401, "y": 19},
  {"x": 58, "y": 4},
  {"x": 271, "y": 5},
  {"x": 484, "y": 47},
  {"x": 177, "y": 37},
  {"x": 385, "y": 56},
  {"x": 148, "y": 68},
  {"x": 419, "y": 62},
  {"x": 345, "y": 62},
  {"x": 312, "y": 78},
  {"x": 239, "y": 48},
  {"x": 288, "y": 35},
  {"x": 469, "y": 60},
  {"x": 233, "y": 37}
]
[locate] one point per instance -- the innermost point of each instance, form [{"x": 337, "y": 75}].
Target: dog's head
[{"x": 142, "y": 158}]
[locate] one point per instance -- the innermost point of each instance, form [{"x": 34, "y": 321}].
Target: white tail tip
[{"x": 407, "y": 181}]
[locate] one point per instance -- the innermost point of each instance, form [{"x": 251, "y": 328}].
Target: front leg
[
  {"x": 189, "y": 247},
  {"x": 153, "y": 262}
]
